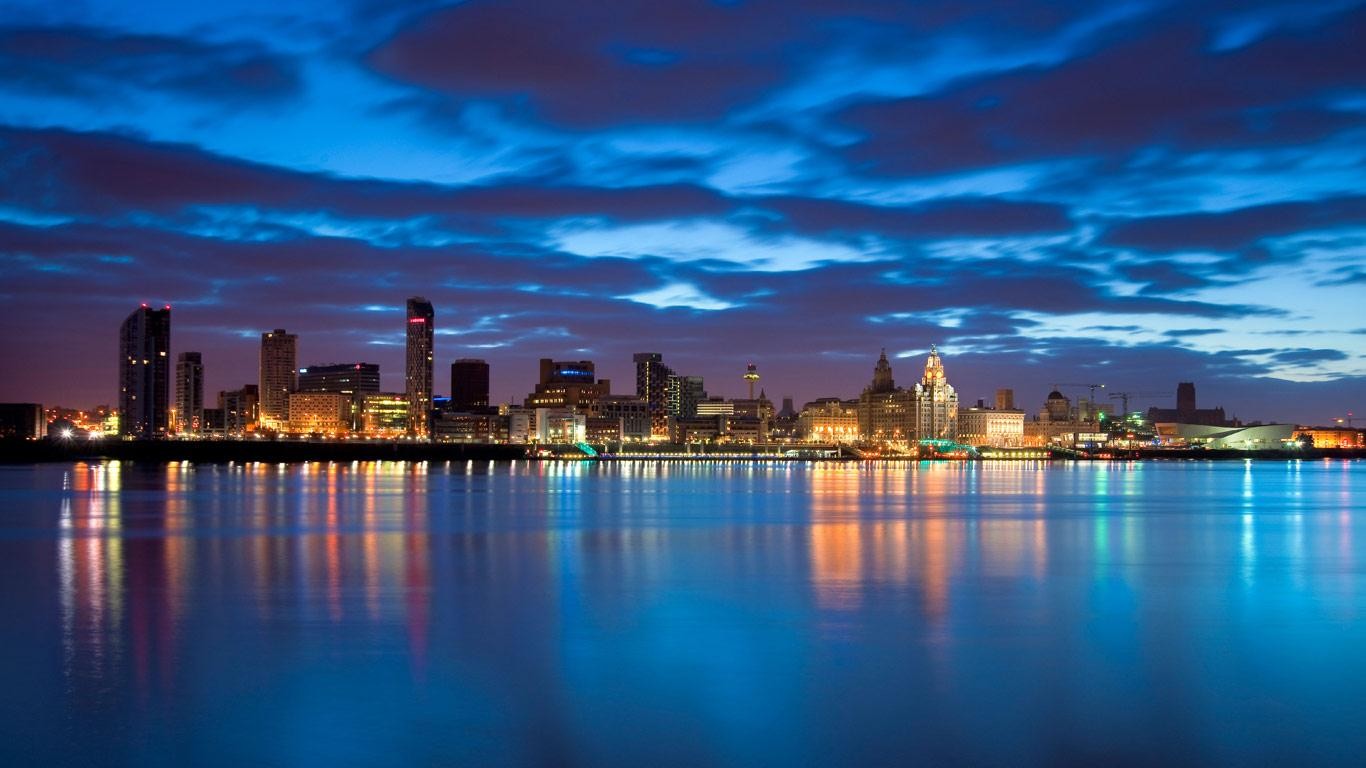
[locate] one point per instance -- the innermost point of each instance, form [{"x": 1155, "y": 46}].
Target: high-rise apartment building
[
  {"x": 278, "y": 377},
  {"x": 683, "y": 395},
  {"x": 652, "y": 386},
  {"x": 417, "y": 376},
  {"x": 144, "y": 373},
  {"x": 189, "y": 392},
  {"x": 469, "y": 384}
]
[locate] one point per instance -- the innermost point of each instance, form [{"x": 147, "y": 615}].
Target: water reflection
[{"x": 529, "y": 609}]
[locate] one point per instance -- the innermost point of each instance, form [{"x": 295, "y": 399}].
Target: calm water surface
[{"x": 683, "y": 614}]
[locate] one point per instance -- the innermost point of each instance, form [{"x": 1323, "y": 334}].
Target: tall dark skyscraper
[
  {"x": 278, "y": 377},
  {"x": 652, "y": 386},
  {"x": 469, "y": 384},
  {"x": 189, "y": 392},
  {"x": 418, "y": 369},
  {"x": 145, "y": 373}
]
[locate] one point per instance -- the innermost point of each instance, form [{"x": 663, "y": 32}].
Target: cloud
[
  {"x": 1233, "y": 230},
  {"x": 111, "y": 175},
  {"x": 1161, "y": 86},
  {"x": 104, "y": 65}
]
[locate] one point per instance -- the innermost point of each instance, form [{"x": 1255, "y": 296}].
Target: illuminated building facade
[
  {"x": 683, "y": 393},
  {"x": 560, "y": 425},
  {"x": 353, "y": 379},
  {"x": 998, "y": 428},
  {"x": 652, "y": 386},
  {"x": 145, "y": 373},
  {"x": 631, "y": 416},
  {"x": 383, "y": 414},
  {"x": 319, "y": 413},
  {"x": 568, "y": 384},
  {"x": 884, "y": 411},
  {"x": 829, "y": 420},
  {"x": 189, "y": 392},
  {"x": 934, "y": 402},
  {"x": 278, "y": 377},
  {"x": 1333, "y": 437},
  {"x": 418, "y": 364}
]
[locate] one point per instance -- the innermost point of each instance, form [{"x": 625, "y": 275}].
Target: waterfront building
[
  {"x": 715, "y": 406},
  {"x": 567, "y": 384},
  {"x": 995, "y": 427},
  {"x": 319, "y": 413},
  {"x": 683, "y": 395},
  {"x": 483, "y": 426},
  {"x": 189, "y": 392},
  {"x": 353, "y": 379},
  {"x": 469, "y": 384},
  {"x": 418, "y": 364},
  {"x": 884, "y": 410},
  {"x": 383, "y": 414},
  {"x": 240, "y": 409},
  {"x": 348, "y": 378},
  {"x": 1333, "y": 437},
  {"x": 703, "y": 429},
  {"x": 934, "y": 402},
  {"x": 520, "y": 423},
  {"x": 560, "y": 425},
  {"x": 21, "y": 421},
  {"x": 631, "y": 415},
  {"x": 1249, "y": 438},
  {"x": 213, "y": 422},
  {"x": 144, "y": 373},
  {"x": 278, "y": 377},
  {"x": 829, "y": 420},
  {"x": 652, "y": 386}
]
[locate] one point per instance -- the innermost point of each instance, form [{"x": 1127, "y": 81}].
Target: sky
[{"x": 1124, "y": 193}]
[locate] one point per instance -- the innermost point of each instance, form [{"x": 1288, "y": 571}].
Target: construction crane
[
  {"x": 1347, "y": 420},
  {"x": 1123, "y": 398},
  {"x": 1092, "y": 387}
]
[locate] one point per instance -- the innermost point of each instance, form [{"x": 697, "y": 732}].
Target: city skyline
[{"x": 1136, "y": 195}]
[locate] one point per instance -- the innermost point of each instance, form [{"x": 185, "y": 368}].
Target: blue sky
[{"x": 1129, "y": 193}]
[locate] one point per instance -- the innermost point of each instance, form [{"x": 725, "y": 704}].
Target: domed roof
[{"x": 1055, "y": 395}]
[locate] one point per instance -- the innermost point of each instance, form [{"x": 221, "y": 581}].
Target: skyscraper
[
  {"x": 278, "y": 377},
  {"x": 683, "y": 395},
  {"x": 469, "y": 384},
  {"x": 189, "y": 392},
  {"x": 652, "y": 386},
  {"x": 418, "y": 368},
  {"x": 144, "y": 372}
]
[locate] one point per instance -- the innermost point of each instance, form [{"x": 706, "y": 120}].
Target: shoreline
[{"x": 287, "y": 451}]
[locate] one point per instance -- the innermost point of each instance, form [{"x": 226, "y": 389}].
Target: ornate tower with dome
[{"x": 934, "y": 403}]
